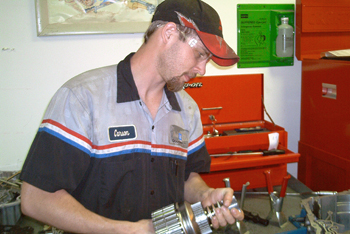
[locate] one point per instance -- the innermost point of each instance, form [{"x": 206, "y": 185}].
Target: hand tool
[
  {"x": 249, "y": 216},
  {"x": 250, "y": 129},
  {"x": 275, "y": 202},
  {"x": 242, "y": 228},
  {"x": 250, "y": 152},
  {"x": 255, "y": 218}
]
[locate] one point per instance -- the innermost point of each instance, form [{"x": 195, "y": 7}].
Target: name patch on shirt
[
  {"x": 125, "y": 132},
  {"x": 178, "y": 136}
]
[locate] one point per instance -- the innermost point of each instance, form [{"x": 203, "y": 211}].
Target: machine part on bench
[
  {"x": 327, "y": 214},
  {"x": 180, "y": 218}
]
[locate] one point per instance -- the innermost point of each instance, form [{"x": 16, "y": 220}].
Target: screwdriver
[{"x": 250, "y": 152}]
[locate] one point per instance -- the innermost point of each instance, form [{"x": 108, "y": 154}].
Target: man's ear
[{"x": 168, "y": 32}]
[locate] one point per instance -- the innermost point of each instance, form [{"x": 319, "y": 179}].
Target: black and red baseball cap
[{"x": 201, "y": 17}]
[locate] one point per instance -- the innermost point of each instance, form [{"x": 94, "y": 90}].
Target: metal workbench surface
[{"x": 260, "y": 204}]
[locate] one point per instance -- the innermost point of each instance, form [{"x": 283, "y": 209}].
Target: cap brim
[{"x": 223, "y": 54}]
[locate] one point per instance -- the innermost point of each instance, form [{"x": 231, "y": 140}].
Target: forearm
[
  {"x": 196, "y": 189},
  {"x": 61, "y": 210}
]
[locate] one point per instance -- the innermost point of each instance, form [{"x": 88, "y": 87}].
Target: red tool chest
[
  {"x": 232, "y": 102},
  {"x": 321, "y": 25},
  {"x": 324, "y": 144},
  {"x": 325, "y": 126}
]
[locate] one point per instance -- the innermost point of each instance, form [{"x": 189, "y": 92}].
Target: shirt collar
[{"x": 126, "y": 87}]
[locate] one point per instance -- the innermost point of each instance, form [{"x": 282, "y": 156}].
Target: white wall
[{"x": 33, "y": 68}]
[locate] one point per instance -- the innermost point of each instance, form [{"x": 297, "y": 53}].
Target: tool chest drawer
[{"x": 236, "y": 134}]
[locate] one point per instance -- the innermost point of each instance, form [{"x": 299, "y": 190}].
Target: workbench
[{"x": 259, "y": 204}]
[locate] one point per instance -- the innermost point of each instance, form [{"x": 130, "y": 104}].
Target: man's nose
[{"x": 201, "y": 67}]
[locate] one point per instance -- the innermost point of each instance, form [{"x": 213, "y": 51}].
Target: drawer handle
[{"x": 212, "y": 108}]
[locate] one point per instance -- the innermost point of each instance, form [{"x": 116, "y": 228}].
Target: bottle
[{"x": 285, "y": 39}]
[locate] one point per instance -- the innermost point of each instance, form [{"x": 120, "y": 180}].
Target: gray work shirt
[{"x": 99, "y": 142}]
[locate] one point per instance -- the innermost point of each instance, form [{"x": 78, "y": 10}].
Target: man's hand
[
  {"x": 197, "y": 190},
  {"x": 223, "y": 215}
]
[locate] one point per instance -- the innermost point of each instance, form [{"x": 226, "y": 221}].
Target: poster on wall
[
  {"x": 265, "y": 35},
  {"x": 70, "y": 17}
]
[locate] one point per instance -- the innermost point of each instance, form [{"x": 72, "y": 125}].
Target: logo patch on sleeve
[
  {"x": 178, "y": 136},
  {"x": 125, "y": 132}
]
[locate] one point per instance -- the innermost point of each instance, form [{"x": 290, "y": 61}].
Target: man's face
[{"x": 182, "y": 62}]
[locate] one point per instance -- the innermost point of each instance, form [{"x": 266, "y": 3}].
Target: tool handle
[
  {"x": 268, "y": 181},
  {"x": 284, "y": 185},
  {"x": 273, "y": 152},
  {"x": 255, "y": 218}
]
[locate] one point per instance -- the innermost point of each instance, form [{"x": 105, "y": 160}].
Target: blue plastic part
[
  {"x": 298, "y": 224},
  {"x": 302, "y": 230}
]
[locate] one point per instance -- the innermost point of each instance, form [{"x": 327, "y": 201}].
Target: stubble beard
[
  {"x": 175, "y": 84},
  {"x": 166, "y": 68},
  {"x": 168, "y": 65}
]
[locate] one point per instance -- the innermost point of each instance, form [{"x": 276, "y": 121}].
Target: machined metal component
[
  {"x": 227, "y": 182},
  {"x": 244, "y": 190},
  {"x": 327, "y": 214},
  {"x": 184, "y": 218},
  {"x": 318, "y": 193}
]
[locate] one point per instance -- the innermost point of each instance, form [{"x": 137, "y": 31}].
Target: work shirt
[{"x": 99, "y": 142}]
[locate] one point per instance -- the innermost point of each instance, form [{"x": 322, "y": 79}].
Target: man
[{"x": 120, "y": 142}]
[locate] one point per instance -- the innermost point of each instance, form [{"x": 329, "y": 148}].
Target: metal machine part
[
  {"x": 244, "y": 189},
  {"x": 318, "y": 193},
  {"x": 328, "y": 214},
  {"x": 180, "y": 218},
  {"x": 242, "y": 228}
]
